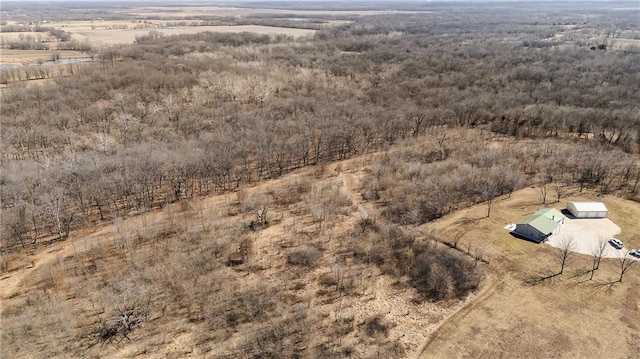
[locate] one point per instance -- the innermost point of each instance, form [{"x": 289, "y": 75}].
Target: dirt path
[
  {"x": 11, "y": 281},
  {"x": 456, "y": 318},
  {"x": 414, "y": 324},
  {"x": 348, "y": 181},
  {"x": 398, "y": 306}
]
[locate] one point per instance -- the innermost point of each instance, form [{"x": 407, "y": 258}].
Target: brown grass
[
  {"x": 175, "y": 256},
  {"x": 189, "y": 11},
  {"x": 19, "y": 57},
  {"x": 6, "y": 37},
  {"x": 115, "y": 36},
  {"x": 565, "y": 318},
  {"x": 624, "y": 44}
]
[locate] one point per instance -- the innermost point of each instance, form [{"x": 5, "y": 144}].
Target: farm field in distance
[
  {"x": 182, "y": 12},
  {"x": 98, "y": 33},
  {"x": 318, "y": 179},
  {"x": 115, "y": 37}
]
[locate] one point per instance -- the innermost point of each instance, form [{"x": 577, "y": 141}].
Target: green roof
[
  {"x": 551, "y": 213},
  {"x": 540, "y": 222}
]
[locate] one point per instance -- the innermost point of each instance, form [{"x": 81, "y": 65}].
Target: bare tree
[
  {"x": 16, "y": 222},
  {"x": 259, "y": 205},
  {"x": 565, "y": 253},
  {"x": 441, "y": 137},
  {"x": 597, "y": 252},
  {"x": 543, "y": 182},
  {"x": 626, "y": 263},
  {"x": 561, "y": 185},
  {"x": 417, "y": 119},
  {"x": 488, "y": 190},
  {"x": 130, "y": 305},
  {"x": 54, "y": 208},
  {"x": 103, "y": 142},
  {"x": 637, "y": 181}
]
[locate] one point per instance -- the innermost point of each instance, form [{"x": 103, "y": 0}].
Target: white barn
[{"x": 587, "y": 209}]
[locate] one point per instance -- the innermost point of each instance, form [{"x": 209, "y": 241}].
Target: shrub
[
  {"x": 444, "y": 274},
  {"x": 304, "y": 256},
  {"x": 376, "y": 326},
  {"x": 327, "y": 280}
]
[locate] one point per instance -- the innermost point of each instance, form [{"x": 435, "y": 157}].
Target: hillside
[
  {"x": 569, "y": 317},
  {"x": 171, "y": 269},
  {"x": 189, "y": 188}
]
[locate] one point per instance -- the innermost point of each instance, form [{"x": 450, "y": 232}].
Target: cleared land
[
  {"x": 624, "y": 44},
  {"x": 114, "y": 37},
  {"x": 587, "y": 234},
  {"x": 21, "y": 57},
  {"x": 104, "y": 25},
  {"x": 189, "y": 11},
  {"x": 7, "y": 37},
  {"x": 568, "y": 317},
  {"x": 100, "y": 34}
]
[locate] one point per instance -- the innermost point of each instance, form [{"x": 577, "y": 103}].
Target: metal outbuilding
[{"x": 587, "y": 209}]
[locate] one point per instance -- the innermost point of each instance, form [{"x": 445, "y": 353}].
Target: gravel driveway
[{"x": 586, "y": 234}]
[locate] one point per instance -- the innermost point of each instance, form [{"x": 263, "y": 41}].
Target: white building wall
[{"x": 585, "y": 213}]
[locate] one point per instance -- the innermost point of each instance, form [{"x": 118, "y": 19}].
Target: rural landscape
[{"x": 319, "y": 179}]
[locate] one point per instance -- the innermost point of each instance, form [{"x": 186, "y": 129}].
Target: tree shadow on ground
[
  {"x": 606, "y": 286},
  {"x": 541, "y": 279}
]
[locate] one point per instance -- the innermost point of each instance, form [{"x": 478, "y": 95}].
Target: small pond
[{"x": 51, "y": 62}]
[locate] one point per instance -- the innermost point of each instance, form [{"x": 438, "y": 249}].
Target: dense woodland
[
  {"x": 456, "y": 107},
  {"x": 180, "y": 116}
]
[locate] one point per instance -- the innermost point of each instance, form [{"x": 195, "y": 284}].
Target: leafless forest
[
  {"x": 181, "y": 116},
  {"x": 171, "y": 119}
]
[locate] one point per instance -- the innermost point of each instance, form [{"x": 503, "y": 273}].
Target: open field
[
  {"x": 102, "y": 34},
  {"x": 7, "y": 37},
  {"x": 624, "y": 44},
  {"x": 566, "y": 318},
  {"x": 190, "y": 11},
  {"x": 21, "y": 57},
  {"x": 113, "y": 37},
  {"x": 80, "y": 25}
]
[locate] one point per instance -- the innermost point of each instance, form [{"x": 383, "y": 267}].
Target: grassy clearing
[
  {"x": 79, "y": 25},
  {"x": 568, "y": 317},
  {"x": 624, "y": 44}
]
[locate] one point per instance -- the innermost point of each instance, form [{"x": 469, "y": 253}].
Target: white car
[
  {"x": 635, "y": 253},
  {"x": 616, "y": 243}
]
